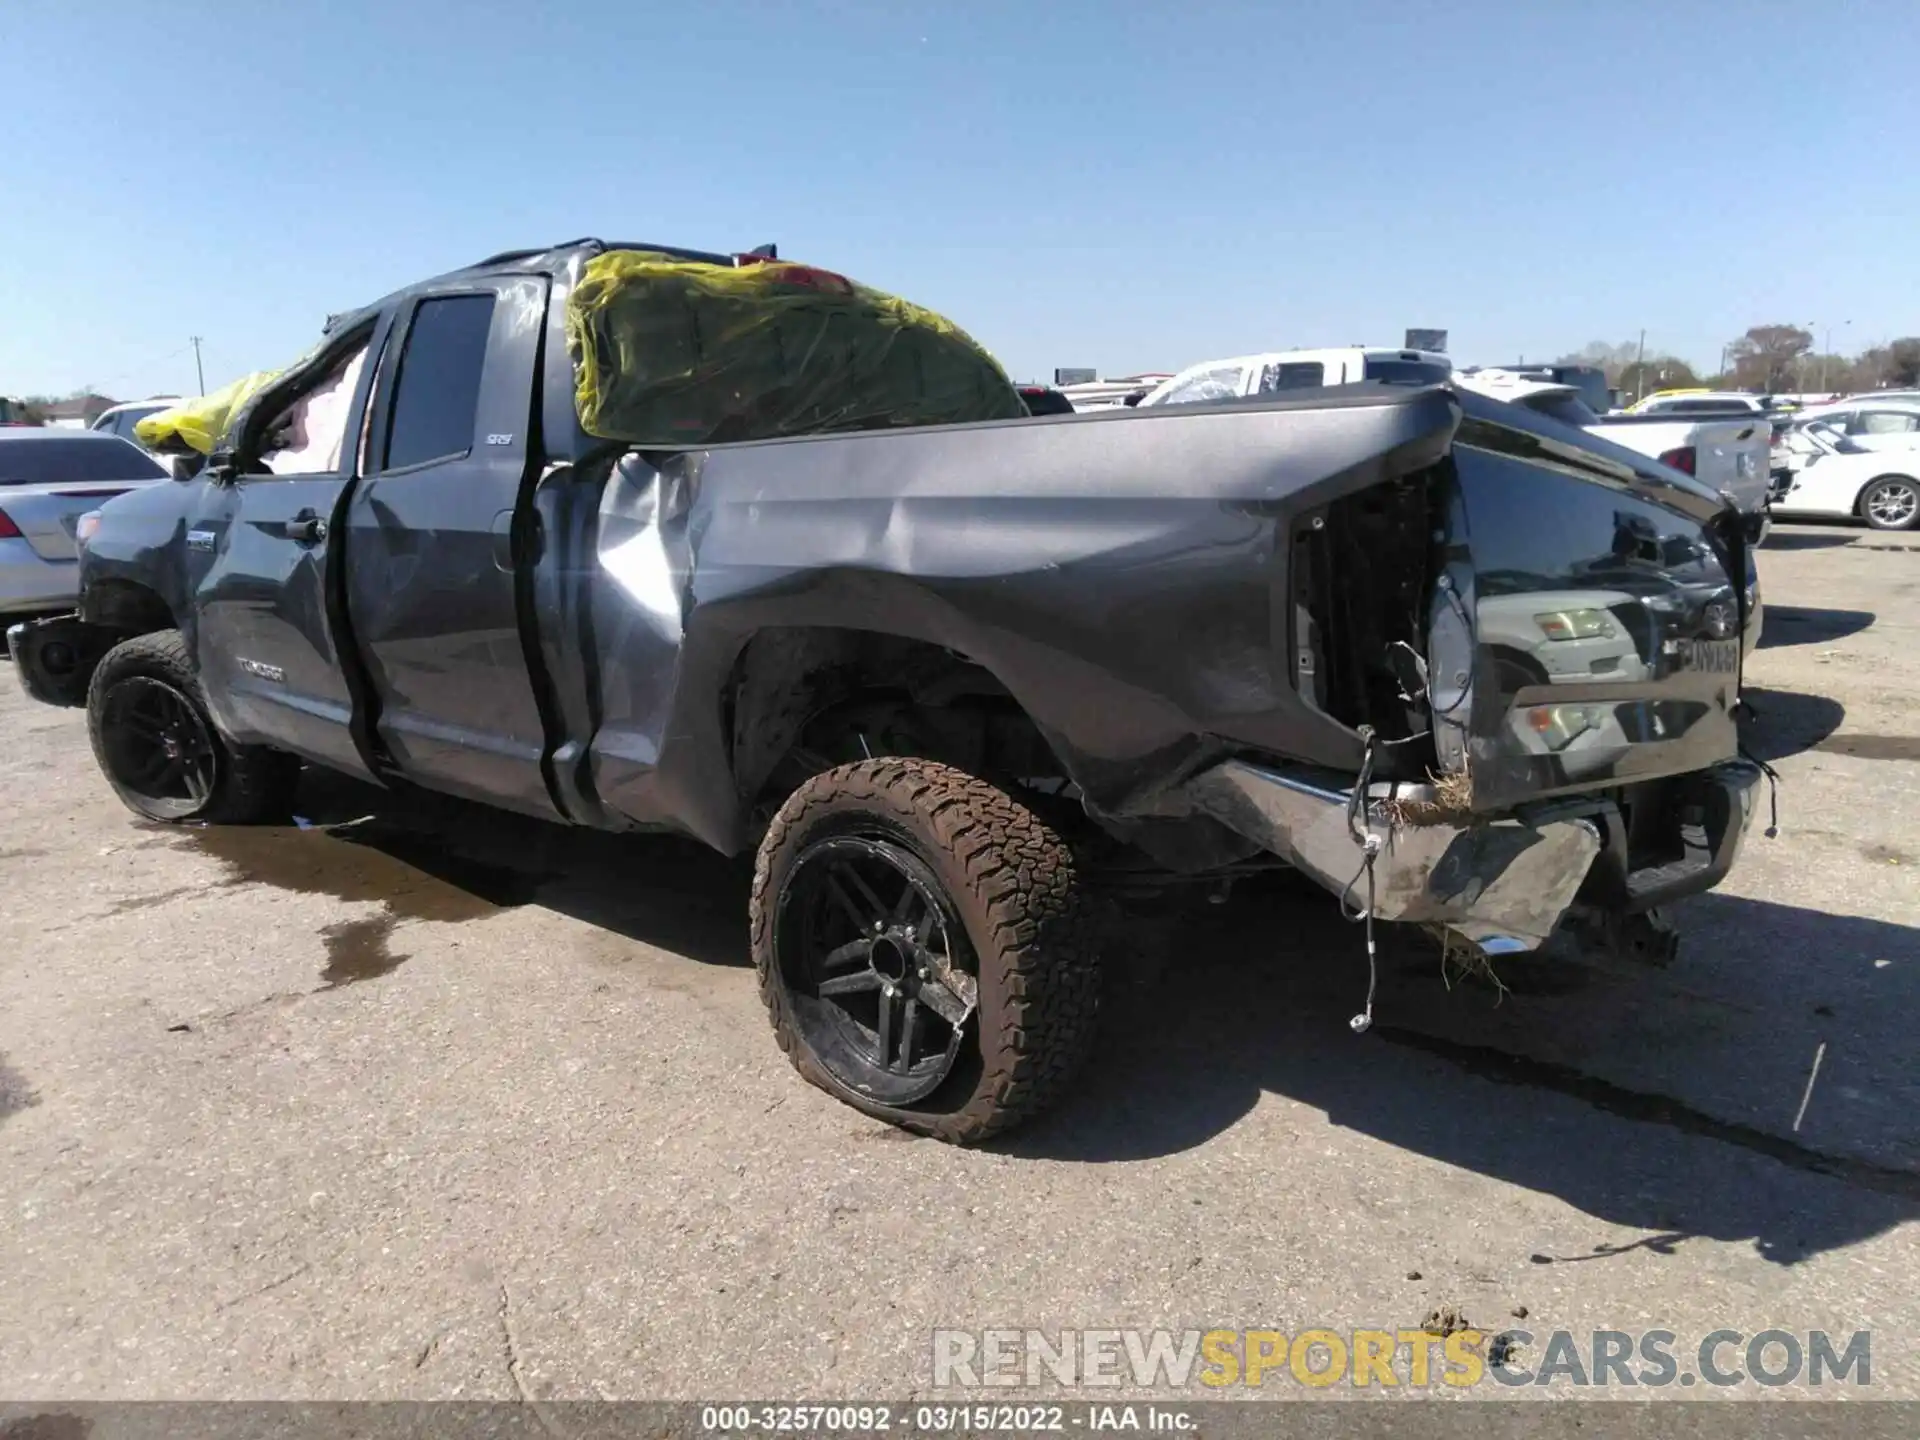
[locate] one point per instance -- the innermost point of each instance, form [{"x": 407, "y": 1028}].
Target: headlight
[
  {"x": 1558, "y": 726},
  {"x": 85, "y": 526},
  {"x": 1575, "y": 625}
]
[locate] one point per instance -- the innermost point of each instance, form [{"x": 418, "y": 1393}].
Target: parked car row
[
  {"x": 1769, "y": 458},
  {"x": 1854, "y": 458},
  {"x": 1730, "y": 455},
  {"x": 1704, "y": 402},
  {"x": 1728, "y": 451}
]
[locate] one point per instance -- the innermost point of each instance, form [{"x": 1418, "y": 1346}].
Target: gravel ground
[{"x": 419, "y": 1102}]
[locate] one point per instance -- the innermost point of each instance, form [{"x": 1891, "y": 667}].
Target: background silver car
[{"x": 48, "y": 480}]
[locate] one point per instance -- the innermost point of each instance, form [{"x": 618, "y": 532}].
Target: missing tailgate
[{"x": 1363, "y": 567}]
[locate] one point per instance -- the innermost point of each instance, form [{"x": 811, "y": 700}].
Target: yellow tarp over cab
[
  {"x": 199, "y": 424},
  {"x": 673, "y": 352}
]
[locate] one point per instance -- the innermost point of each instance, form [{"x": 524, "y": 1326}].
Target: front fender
[{"x": 134, "y": 563}]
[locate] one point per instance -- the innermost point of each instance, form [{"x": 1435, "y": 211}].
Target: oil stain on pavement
[
  {"x": 15, "y": 1094},
  {"x": 360, "y": 950},
  {"x": 46, "y": 1425},
  {"x": 411, "y": 875}
]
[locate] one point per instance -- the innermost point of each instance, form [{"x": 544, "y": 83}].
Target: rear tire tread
[{"x": 1040, "y": 932}]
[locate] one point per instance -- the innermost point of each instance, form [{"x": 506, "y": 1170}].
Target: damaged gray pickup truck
[{"x": 1459, "y": 663}]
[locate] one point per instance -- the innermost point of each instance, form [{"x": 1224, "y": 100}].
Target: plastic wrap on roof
[
  {"x": 675, "y": 352},
  {"x": 199, "y": 424}
]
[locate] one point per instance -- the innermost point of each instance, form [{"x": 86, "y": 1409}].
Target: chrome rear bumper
[{"x": 1502, "y": 883}]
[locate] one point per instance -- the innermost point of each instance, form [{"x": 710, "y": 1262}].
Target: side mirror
[{"x": 222, "y": 467}]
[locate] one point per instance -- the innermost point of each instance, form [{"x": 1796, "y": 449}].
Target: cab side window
[
  {"x": 1292, "y": 375},
  {"x": 308, "y": 435},
  {"x": 1222, "y": 383},
  {"x": 436, "y": 394}
]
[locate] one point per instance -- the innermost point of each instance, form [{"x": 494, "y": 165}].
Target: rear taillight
[
  {"x": 8, "y": 530},
  {"x": 1681, "y": 459}
]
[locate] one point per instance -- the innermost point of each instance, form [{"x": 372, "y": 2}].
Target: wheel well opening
[
  {"x": 804, "y": 699},
  {"x": 125, "y": 606}
]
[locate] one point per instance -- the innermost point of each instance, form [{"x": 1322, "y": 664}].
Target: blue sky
[{"x": 1127, "y": 184}]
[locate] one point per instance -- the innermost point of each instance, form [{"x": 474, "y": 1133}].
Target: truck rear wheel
[
  {"x": 158, "y": 746},
  {"x": 925, "y": 949}
]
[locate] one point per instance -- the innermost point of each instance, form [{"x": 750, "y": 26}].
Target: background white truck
[{"x": 1731, "y": 455}]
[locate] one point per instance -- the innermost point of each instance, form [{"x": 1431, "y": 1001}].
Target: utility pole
[
  {"x": 198, "y": 374},
  {"x": 1826, "y": 352},
  {"x": 1640, "y": 371}
]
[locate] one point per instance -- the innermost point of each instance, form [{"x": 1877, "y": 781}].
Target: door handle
[
  {"x": 534, "y": 543},
  {"x": 306, "y": 529}
]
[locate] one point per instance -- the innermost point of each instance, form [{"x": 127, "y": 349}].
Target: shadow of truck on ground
[
  {"x": 1801, "y": 625},
  {"x": 1661, "y": 1100}
]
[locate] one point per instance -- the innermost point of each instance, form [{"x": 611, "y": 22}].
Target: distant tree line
[
  {"x": 33, "y": 408},
  {"x": 1768, "y": 358}
]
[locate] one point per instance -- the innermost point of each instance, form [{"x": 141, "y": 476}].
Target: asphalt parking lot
[{"x": 413, "y": 1101}]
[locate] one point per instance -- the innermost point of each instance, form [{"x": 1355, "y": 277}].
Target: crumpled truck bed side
[{"x": 1124, "y": 577}]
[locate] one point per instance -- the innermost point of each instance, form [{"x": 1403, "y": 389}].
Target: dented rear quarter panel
[{"x": 1124, "y": 576}]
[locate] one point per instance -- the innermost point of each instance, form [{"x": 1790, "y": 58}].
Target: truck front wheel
[
  {"x": 160, "y": 750},
  {"x": 924, "y": 947}
]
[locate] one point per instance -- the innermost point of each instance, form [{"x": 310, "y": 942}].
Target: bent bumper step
[{"x": 1502, "y": 883}]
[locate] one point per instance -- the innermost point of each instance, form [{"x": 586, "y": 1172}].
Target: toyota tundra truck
[{"x": 1465, "y": 666}]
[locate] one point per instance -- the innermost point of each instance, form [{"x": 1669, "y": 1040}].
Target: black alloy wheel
[
  {"x": 157, "y": 746},
  {"x": 926, "y": 947},
  {"x": 877, "y": 965},
  {"x": 155, "y": 739}
]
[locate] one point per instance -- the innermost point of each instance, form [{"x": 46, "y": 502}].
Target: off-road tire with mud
[
  {"x": 1029, "y": 923},
  {"x": 249, "y": 784}
]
